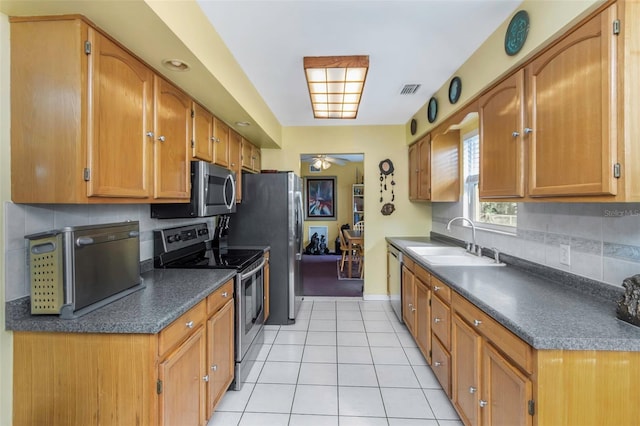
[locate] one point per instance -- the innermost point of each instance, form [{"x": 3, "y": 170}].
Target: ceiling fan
[{"x": 322, "y": 161}]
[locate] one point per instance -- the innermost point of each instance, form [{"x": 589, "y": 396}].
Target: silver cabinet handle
[
  {"x": 413, "y": 309},
  {"x": 189, "y": 324},
  {"x": 150, "y": 134},
  {"x": 477, "y": 323},
  {"x": 437, "y": 364},
  {"x": 528, "y": 130},
  {"x": 214, "y": 367},
  {"x": 206, "y": 378},
  {"x": 161, "y": 138},
  {"x": 472, "y": 389},
  {"x": 212, "y": 139},
  {"x": 225, "y": 294},
  {"x": 436, "y": 288},
  {"x": 437, "y": 320},
  {"x": 483, "y": 403},
  {"x": 515, "y": 134}
]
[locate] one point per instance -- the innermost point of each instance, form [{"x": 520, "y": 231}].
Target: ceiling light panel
[{"x": 335, "y": 84}]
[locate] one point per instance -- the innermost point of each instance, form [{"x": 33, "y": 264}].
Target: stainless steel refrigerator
[{"x": 271, "y": 213}]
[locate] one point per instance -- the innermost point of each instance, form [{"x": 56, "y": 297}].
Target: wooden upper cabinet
[
  {"x": 121, "y": 116},
  {"x": 573, "y": 97},
  {"x": 445, "y": 166},
  {"x": 420, "y": 170},
  {"x": 501, "y": 139},
  {"x": 202, "y": 139},
  {"x": 251, "y": 156},
  {"x": 221, "y": 142},
  {"x": 173, "y": 137},
  {"x": 424, "y": 168},
  {"x": 414, "y": 172}
]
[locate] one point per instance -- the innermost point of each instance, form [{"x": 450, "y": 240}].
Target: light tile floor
[{"x": 345, "y": 362}]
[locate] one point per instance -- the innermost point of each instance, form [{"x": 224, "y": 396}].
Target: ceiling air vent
[{"x": 409, "y": 89}]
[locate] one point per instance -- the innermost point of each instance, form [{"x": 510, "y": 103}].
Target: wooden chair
[
  {"x": 359, "y": 226},
  {"x": 344, "y": 248}
]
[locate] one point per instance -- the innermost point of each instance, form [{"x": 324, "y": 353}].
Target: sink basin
[
  {"x": 436, "y": 251},
  {"x": 450, "y": 256},
  {"x": 460, "y": 260}
]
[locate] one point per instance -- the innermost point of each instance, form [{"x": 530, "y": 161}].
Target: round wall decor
[
  {"x": 516, "y": 33},
  {"x": 414, "y": 126},
  {"x": 455, "y": 89},
  {"x": 432, "y": 110}
]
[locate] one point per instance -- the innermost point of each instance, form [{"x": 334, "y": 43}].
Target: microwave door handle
[{"x": 229, "y": 204}]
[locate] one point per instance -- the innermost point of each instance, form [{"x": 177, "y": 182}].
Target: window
[{"x": 493, "y": 215}]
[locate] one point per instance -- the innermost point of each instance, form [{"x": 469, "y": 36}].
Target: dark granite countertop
[
  {"x": 168, "y": 293},
  {"x": 546, "y": 308}
]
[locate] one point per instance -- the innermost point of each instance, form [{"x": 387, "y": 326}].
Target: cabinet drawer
[
  {"x": 441, "y": 321},
  {"x": 409, "y": 263},
  {"x": 178, "y": 330},
  {"x": 218, "y": 298},
  {"x": 508, "y": 343},
  {"x": 441, "y": 365},
  {"x": 441, "y": 289},
  {"x": 423, "y": 275}
]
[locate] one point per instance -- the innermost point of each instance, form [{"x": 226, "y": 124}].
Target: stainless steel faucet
[{"x": 471, "y": 247}]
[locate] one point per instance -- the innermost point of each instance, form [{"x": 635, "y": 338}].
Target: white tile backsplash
[
  {"x": 604, "y": 237},
  {"x": 23, "y": 219}
]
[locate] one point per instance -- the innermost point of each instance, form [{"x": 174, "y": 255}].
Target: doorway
[{"x": 324, "y": 272}]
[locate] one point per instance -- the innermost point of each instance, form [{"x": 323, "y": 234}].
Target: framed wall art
[{"x": 320, "y": 198}]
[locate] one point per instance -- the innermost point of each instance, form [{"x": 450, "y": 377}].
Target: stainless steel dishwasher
[{"x": 394, "y": 279}]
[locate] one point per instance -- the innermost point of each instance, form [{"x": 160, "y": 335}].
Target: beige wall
[
  {"x": 6, "y": 359},
  {"x": 377, "y": 143}
]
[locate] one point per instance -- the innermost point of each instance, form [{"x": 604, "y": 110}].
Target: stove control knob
[
  {"x": 169, "y": 239},
  {"x": 203, "y": 231},
  {"x": 177, "y": 238}
]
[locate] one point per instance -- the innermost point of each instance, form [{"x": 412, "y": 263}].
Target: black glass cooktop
[{"x": 217, "y": 259}]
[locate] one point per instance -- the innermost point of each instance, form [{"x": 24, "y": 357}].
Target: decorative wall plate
[
  {"x": 517, "y": 32},
  {"x": 414, "y": 126},
  {"x": 432, "y": 109},
  {"x": 386, "y": 167},
  {"x": 455, "y": 89}
]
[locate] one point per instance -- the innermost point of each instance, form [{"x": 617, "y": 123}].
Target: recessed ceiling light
[
  {"x": 243, "y": 123},
  {"x": 175, "y": 65}
]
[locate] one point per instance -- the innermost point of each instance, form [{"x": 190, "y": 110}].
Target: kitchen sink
[
  {"x": 450, "y": 256},
  {"x": 435, "y": 251}
]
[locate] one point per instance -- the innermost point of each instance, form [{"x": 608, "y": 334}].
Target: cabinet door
[
  {"x": 408, "y": 300},
  {"x": 444, "y": 172},
  {"x": 501, "y": 139},
  {"x": 423, "y": 315},
  {"x": 414, "y": 172},
  {"x": 246, "y": 155},
  {"x": 572, "y": 93},
  {"x": 182, "y": 398},
  {"x": 441, "y": 321},
  {"x": 441, "y": 364},
  {"x": 424, "y": 165},
  {"x": 505, "y": 390},
  {"x": 235, "y": 160},
  {"x": 119, "y": 150},
  {"x": 220, "y": 354},
  {"x": 221, "y": 146},
  {"x": 257, "y": 159},
  {"x": 465, "y": 371},
  {"x": 202, "y": 141},
  {"x": 173, "y": 137}
]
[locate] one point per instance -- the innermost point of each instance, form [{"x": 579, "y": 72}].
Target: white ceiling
[{"x": 408, "y": 42}]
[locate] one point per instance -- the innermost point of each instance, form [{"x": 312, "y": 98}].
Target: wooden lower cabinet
[
  {"x": 220, "y": 360},
  {"x": 408, "y": 299},
  {"x": 175, "y": 377},
  {"x": 183, "y": 388},
  {"x": 423, "y": 316},
  {"x": 506, "y": 391},
  {"x": 465, "y": 369}
]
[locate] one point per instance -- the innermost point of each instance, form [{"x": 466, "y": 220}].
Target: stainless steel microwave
[{"x": 213, "y": 192}]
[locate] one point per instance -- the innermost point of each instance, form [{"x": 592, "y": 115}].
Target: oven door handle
[{"x": 253, "y": 271}]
